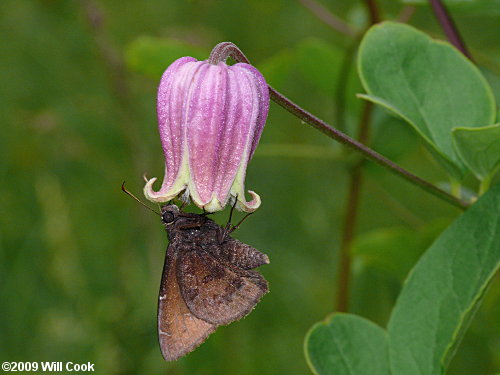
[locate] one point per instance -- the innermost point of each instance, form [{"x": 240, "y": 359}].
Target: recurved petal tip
[
  {"x": 250, "y": 206},
  {"x": 157, "y": 196},
  {"x": 148, "y": 189}
]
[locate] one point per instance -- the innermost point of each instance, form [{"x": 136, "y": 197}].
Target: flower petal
[
  {"x": 172, "y": 93},
  {"x": 203, "y": 130},
  {"x": 210, "y": 119},
  {"x": 263, "y": 96},
  {"x": 239, "y": 124}
]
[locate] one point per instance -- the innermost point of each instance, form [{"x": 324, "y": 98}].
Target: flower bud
[{"x": 210, "y": 119}]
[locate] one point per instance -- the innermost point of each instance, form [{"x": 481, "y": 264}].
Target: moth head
[
  {"x": 173, "y": 217},
  {"x": 169, "y": 214}
]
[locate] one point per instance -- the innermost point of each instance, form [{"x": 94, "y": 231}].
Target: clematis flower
[{"x": 210, "y": 119}]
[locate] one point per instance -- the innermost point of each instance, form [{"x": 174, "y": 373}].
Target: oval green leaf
[
  {"x": 427, "y": 83},
  {"x": 479, "y": 149},
  {"x": 347, "y": 345},
  {"x": 444, "y": 289}
]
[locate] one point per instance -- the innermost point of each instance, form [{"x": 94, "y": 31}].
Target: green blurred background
[{"x": 80, "y": 262}]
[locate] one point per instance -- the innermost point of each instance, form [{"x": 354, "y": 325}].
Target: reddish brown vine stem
[
  {"x": 354, "y": 195},
  {"x": 351, "y": 214},
  {"x": 449, "y": 27},
  {"x": 227, "y": 49}
]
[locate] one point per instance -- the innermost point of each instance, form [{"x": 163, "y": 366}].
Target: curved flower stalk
[{"x": 210, "y": 119}]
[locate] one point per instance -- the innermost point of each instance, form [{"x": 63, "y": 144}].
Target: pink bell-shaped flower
[{"x": 210, "y": 118}]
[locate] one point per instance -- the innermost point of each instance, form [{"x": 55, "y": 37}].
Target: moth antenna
[{"x": 137, "y": 199}]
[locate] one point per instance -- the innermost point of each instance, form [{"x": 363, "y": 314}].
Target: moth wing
[
  {"x": 242, "y": 255},
  {"x": 179, "y": 331},
  {"x": 216, "y": 291}
]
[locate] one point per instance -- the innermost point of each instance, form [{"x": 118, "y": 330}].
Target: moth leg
[
  {"x": 234, "y": 227},
  {"x": 223, "y": 233}
]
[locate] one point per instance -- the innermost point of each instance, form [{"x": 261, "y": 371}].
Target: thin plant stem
[
  {"x": 342, "y": 82},
  {"x": 114, "y": 66},
  {"x": 351, "y": 215},
  {"x": 373, "y": 10},
  {"x": 225, "y": 49},
  {"x": 449, "y": 27},
  {"x": 354, "y": 195},
  {"x": 365, "y": 151},
  {"x": 406, "y": 13},
  {"x": 329, "y": 18}
]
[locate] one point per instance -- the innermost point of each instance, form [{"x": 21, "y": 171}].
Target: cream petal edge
[
  {"x": 157, "y": 196},
  {"x": 215, "y": 205},
  {"x": 238, "y": 191},
  {"x": 250, "y": 206},
  {"x": 178, "y": 186}
]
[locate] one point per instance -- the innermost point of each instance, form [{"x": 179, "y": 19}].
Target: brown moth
[{"x": 207, "y": 281}]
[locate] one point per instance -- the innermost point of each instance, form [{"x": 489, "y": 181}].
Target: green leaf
[
  {"x": 479, "y": 149},
  {"x": 347, "y": 344},
  {"x": 319, "y": 63},
  {"x": 427, "y": 83},
  {"x": 392, "y": 138},
  {"x": 151, "y": 56},
  {"x": 444, "y": 289}
]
